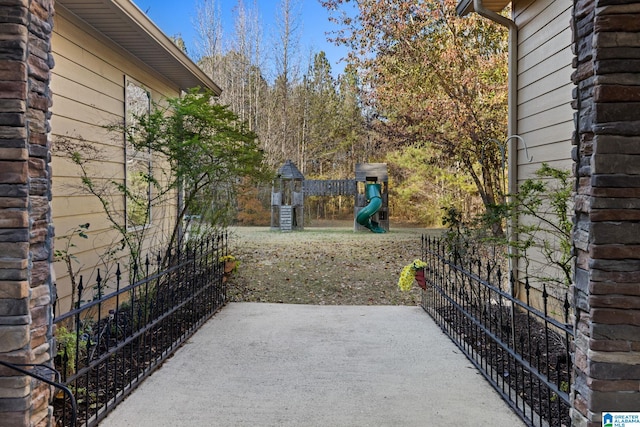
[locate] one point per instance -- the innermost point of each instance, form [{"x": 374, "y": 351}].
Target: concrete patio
[{"x": 258, "y": 364}]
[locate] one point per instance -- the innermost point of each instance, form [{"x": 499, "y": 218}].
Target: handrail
[{"x": 65, "y": 390}]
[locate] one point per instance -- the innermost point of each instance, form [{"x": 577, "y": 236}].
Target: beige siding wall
[
  {"x": 88, "y": 92},
  {"x": 545, "y": 117}
]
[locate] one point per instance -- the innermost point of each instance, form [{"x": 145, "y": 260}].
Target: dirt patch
[{"x": 323, "y": 265}]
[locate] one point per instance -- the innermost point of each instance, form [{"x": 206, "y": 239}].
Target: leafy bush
[{"x": 539, "y": 215}]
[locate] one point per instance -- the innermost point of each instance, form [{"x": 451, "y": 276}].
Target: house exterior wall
[
  {"x": 607, "y": 210},
  {"x": 544, "y": 114},
  {"x": 544, "y": 84},
  {"x": 25, "y": 212},
  {"x": 88, "y": 84}
]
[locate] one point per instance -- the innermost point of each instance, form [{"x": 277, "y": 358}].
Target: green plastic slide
[{"x": 374, "y": 200}]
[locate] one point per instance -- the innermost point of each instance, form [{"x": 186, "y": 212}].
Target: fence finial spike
[{"x": 566, "y": 307}]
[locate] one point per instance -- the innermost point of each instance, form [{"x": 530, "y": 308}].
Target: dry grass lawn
[{"x": 323, "y": 265}]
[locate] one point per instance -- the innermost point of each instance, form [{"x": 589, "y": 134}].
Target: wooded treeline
[{"x": 422, "y": 90}]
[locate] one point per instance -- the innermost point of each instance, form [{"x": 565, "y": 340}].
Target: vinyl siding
[
  {"x": 544, "y": 80},
  {"x": 88, "y": 92},
  {"x": 545, "y": 116}
]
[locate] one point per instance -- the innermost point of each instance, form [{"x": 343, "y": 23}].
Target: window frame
[{"x": 131, "y": 156}]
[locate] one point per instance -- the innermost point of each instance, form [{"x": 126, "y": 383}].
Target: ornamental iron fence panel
[
  {"x": 522, "y": 351},
  {"x": 106, "y": 347}
]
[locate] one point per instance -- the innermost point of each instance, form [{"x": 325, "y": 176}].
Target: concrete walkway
[{"x": 299, "y": 365}]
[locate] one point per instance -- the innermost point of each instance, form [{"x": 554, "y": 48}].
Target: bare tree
[
  {"x": 286, "y": 65},
  {"x": 209, "y": 29},
  {"x": 247, "y": 62}
]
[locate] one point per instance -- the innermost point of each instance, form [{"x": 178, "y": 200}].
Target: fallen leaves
[{"x": 323, "y": 266}]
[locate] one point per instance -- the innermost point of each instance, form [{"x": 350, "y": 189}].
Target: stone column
[
  {"x": 607, "y": 209},
  {"x": 25, "y": 212}
]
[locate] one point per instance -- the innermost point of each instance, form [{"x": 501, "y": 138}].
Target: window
[{"x": 138, "y": 160}]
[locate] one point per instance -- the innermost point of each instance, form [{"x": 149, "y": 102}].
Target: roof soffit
[{"x": 127, "y": 26}]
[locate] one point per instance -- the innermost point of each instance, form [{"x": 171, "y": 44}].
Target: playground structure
[{"x": 369, "y": 188}]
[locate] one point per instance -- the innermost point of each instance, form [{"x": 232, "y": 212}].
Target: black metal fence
[
  {"x": 523, "y": 352},
  {"x": 108, "y": 346}
]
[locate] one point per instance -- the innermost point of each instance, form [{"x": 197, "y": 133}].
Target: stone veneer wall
[
  {"x": 607, "y": 205},
  {"x": 25, "y": 212}
]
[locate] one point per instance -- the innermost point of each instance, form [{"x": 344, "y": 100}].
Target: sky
[{"x": 174, "y": 18}]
